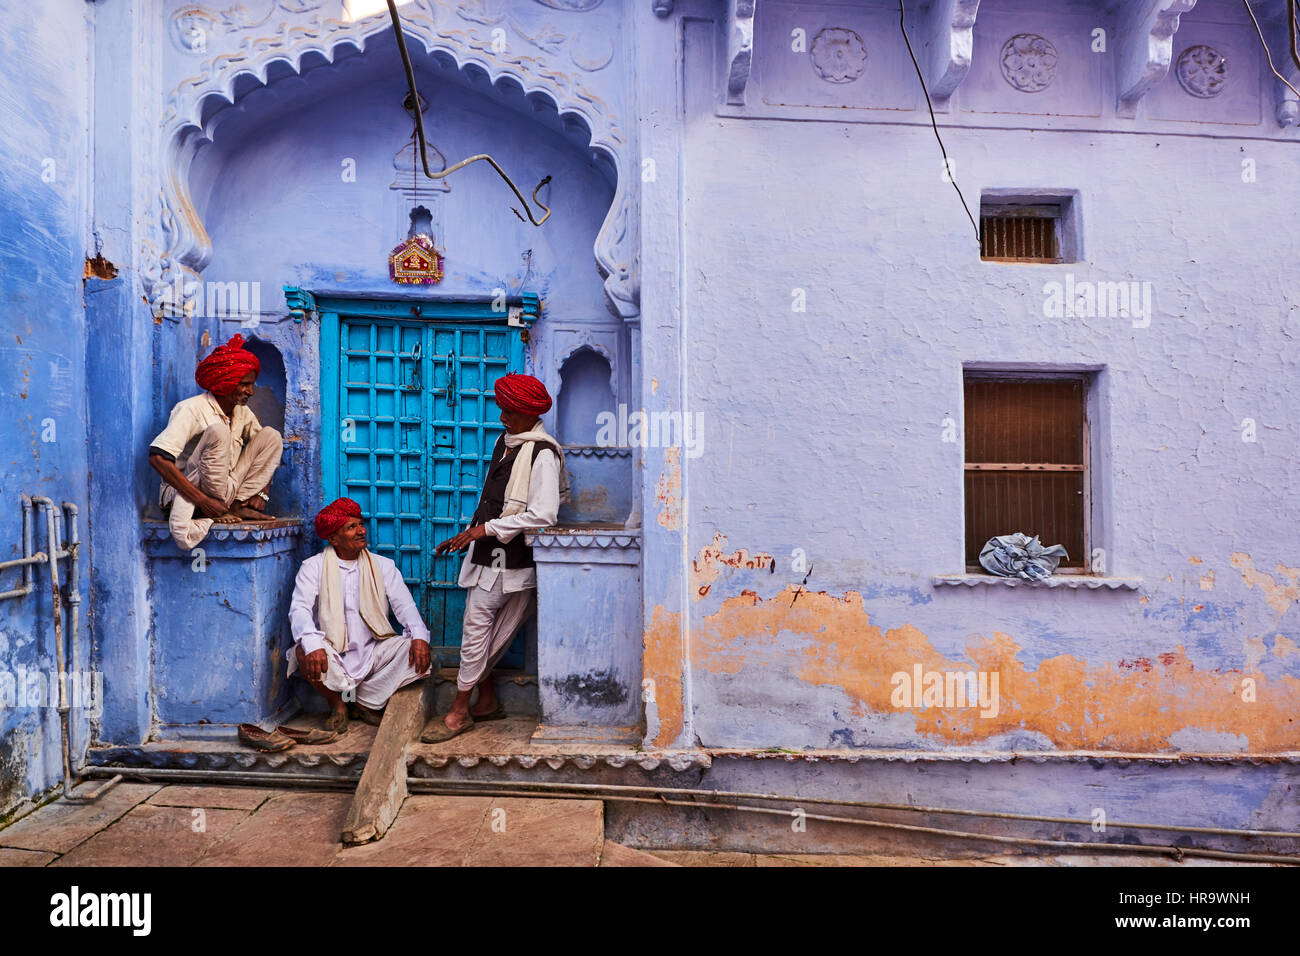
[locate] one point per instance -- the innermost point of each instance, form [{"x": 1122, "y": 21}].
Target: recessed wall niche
[{"x": 599, "y": 463}]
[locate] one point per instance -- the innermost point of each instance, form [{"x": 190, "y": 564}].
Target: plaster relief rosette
[{"x": 838, "y": 55}]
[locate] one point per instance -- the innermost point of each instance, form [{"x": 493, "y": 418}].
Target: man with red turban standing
[
  {"x": 344, "y": 643},
  {"x": 216, "y": 459},
  {"x": 525, "y": 486}
]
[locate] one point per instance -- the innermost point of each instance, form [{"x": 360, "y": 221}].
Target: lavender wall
[{"x": 823, "y": 430}]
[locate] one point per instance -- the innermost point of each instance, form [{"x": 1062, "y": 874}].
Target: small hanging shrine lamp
[{"x": 416, "y": 261}]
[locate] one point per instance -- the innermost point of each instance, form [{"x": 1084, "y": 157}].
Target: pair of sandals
[
  {"x": 439, "y": 732},
  {"x": 283, "y": 737}
]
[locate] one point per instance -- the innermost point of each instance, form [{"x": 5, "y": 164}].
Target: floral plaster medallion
[
  {"x": 838, "y": 55},
  {"x": 1202, "y": 71},
  {"x": 1029, "y": 62}
]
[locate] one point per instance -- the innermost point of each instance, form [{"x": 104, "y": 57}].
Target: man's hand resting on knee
[
  {"x": 419, "y": 656},
  {"x": 315, "y": 664}
]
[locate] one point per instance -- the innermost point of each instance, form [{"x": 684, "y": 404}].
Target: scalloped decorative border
[
  {"x": 604, "y": 541},
  {"x": 1062, "y": 581},
  {"x": 158, "y": 531},
  {"x": 178, "y": 252}
]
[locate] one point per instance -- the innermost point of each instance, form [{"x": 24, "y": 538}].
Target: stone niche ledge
[
  {"x": 589, "y": 641},
  {"x": 247, "y": 539},
  {"x": 219, "y": 622},
  {"x": 1089, "y": 582},
  {"x": 596, "y": 543}
]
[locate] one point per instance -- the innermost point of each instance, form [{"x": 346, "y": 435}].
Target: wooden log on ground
[{"x": 382, "y": 788}]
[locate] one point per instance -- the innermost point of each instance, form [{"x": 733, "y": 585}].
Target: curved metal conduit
[
  {"x": 625, "y": 794},
  {"x": 419, "y": 133}
]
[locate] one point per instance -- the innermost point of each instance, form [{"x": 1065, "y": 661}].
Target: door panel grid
[{"x": 419, "y": 422}]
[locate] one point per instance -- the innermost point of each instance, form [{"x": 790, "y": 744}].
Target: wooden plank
[{"x": 382, "y": 789}]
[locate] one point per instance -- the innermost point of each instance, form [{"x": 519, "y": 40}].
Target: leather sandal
[
  {"x": 251, "y": 735},
  {"x": 498, "y": 714},
  {"x": 439, "y": 731},
  {"x": 308, "y": 735},
  {"x": 365, "y": 714},
  {"x": 337, "y": 722}
]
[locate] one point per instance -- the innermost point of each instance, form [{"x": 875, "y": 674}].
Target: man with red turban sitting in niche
[
  {"x": 344, "y": 643},
  {"x": 526, "y": 484},
  {"x": 216, "y": 459}
]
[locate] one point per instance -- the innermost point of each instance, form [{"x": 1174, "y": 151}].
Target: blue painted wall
[{"x": 43, "y": 248}]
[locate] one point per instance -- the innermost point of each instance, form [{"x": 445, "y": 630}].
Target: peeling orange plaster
[
  {"x": 706, "y": 567},
  {"x": 669, "y": 491},
  {"x": 1282, "y": 646},
  {"x": 1126, "y": 705},
  {"x": 661, "y": 663},
  {"x": 1279, "y": 597}
]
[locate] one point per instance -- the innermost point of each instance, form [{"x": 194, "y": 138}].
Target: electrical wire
[
  {"x": 947, "y": 164},
  {"x": 419, "y": 132},
  {"x": 1291, "y": 18}
]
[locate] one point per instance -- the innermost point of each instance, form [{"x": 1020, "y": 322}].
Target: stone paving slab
[
  {"x": 12, "y": 857},
  {"x": 60, "y": 826},
  {"x": 429, "y": 831},
  {"x": 615, "y": 854},
  {"x": 704, "y": 857},
  {"x": 224, "y": 798},
  {"x": 539, "y": 832},
  {"x": 155, "y": 836},
  {"x": 290, "y": 829}
]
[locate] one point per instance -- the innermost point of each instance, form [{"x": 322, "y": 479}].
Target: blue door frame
[{"x": 409, "y": 421}]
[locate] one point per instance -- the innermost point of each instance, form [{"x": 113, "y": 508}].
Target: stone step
[{"x": 516, "y": 690}]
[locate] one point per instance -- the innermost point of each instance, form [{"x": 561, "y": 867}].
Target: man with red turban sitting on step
[
  {"x": 216, "y": 459},
  {"x": 345, "y": 644},
  {"x": 526, "y": 484}
]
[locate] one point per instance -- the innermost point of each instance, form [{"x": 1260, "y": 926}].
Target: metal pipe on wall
[
  {"x": 27, "y": 560},
  {"x": 56, "y": 599},
  {"x": 72, "y": 544}
]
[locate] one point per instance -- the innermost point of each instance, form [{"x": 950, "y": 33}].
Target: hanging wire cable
[
  {"x": 1291, "y": 8},
  {"x": 419, "y": 132},
  {"x": 1291, "y": 23},
  {"x": 947, "y": 164}
]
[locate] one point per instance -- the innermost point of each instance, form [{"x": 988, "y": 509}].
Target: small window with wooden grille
[
  {"x": 1021, "y": 233},
  {"x": 1026, "y": 463}
]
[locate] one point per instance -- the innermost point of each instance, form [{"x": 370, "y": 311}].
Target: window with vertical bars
[
  {"x": 1026, "y": 463},
  {"x": 1020, "y": 233}
]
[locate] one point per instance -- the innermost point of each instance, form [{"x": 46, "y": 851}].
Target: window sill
[{"x": 1092, "y": 582}]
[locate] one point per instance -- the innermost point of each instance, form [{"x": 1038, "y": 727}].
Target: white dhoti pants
[
  {"x": 390, "y": 669},
  {"x": 211, "y": 469},
  {"x": 491, "y": 620}
]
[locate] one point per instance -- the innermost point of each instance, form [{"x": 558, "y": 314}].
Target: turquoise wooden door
[{"x": 410, "y": 421}]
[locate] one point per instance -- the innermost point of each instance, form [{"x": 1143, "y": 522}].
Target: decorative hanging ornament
[{"x": 416, "y": 261}]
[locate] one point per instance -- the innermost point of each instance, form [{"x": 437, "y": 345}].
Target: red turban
[
  {"x": 335, "y": 515},
  {"x": 522, "y": 393},
  {"x": 221, "y": 371}
]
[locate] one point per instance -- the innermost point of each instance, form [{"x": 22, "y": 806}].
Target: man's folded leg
[{"x": 390, "y": 670}]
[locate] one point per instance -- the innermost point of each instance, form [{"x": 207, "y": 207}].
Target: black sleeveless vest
[{"x": 490, "y": 502}]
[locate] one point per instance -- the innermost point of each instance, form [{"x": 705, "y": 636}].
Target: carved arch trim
[{"x": 181, "y": 248}]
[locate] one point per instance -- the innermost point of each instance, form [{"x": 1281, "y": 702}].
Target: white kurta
[
  {"x": 543, "y": 508},
  {"x": 358, "y": 661},
  {"x": 189, "y": 419}
]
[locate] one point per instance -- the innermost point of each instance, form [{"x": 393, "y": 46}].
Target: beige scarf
[
  {"x": 522, "y": 470},
  {"x": 374, "y": 600}
]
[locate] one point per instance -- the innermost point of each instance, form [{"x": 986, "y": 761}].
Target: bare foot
[
  {"x": 484, "y": 705},
  {"x": 246, "y": 513},
  {"x": 454, "y": 720}
]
